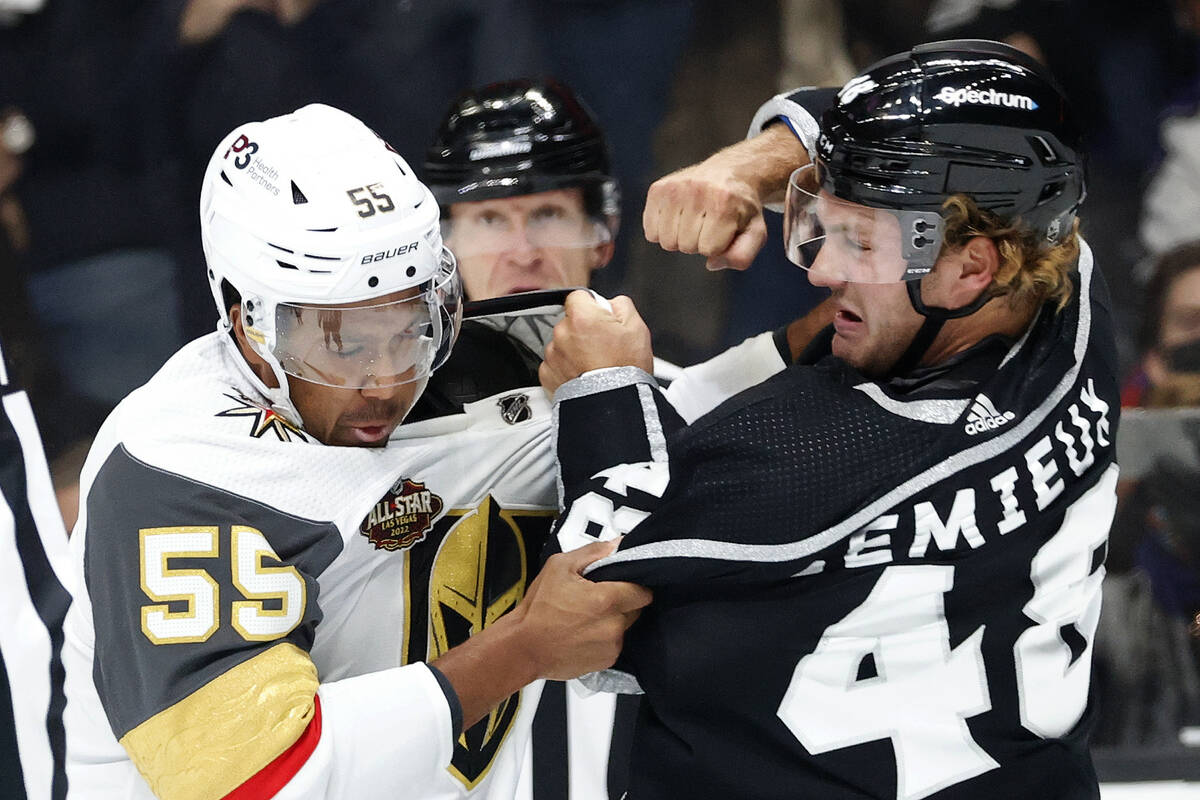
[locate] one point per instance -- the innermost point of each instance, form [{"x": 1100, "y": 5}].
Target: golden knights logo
[
  {"x": 266, "y": 419},
  {"x": 402, "y": 517},
  {"x": 472, "y": 569}
]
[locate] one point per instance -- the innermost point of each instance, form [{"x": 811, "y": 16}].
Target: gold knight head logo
[{"x": 480, "y": 573}]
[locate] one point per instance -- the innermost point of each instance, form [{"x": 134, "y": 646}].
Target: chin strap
[
  {"x": 935, "y": 318},
  {"x": 280, "y": 398}
]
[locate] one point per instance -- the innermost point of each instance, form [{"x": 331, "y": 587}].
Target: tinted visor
[
  {"x": 397, "y": 339},
  {"x": 852, "y": 242}
]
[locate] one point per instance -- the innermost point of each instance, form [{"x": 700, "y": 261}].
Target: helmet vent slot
[
  {"x": 225, "y": 178},
  {"x": 322, "y": 258},
  {"x": 285, "y": 265},
  {"x": 1050, "y": 190},
  {"x": 280, "y": 247},
  {"x": 322, "y": 230},
  {"x": 298, "y": 197},
  {"x": 1044, "y": 151}
]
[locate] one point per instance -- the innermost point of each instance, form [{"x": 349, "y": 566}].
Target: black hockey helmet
[
  {"x": 965, "y": 116},
  {"x": 519, "y": 137}
]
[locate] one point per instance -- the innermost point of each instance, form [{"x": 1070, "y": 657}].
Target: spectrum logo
[{"x": 985, "y": 97}]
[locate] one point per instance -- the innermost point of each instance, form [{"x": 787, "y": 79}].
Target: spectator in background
[
  {"x": 1148, "y": 666},
  {"x": 1147, "y": 660},
  {"x": 1169, "y": 339}
]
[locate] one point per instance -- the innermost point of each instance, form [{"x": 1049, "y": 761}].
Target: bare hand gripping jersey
[
  {"x": 862, "y": 589},
  {"x": 255, "y": 606}
]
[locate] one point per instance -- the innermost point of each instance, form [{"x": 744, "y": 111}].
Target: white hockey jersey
[
  {"x": 254, "y": 607},
  {"x": 235, "y": 570}
]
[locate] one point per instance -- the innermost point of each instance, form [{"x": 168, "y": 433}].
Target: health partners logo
[
  {"x": 984, "y": 417},
  {"x": 953, "y": 96}
]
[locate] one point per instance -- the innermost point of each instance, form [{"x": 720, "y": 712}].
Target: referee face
[{"x": 543, "y": 240}]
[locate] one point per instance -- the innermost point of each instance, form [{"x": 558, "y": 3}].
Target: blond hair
[{"x": 1031, "y": 271}]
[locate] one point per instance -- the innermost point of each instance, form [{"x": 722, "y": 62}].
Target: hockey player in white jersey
[{"x": 281, "y": 592}]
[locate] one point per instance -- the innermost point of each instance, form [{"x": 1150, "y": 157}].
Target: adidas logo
[{"x": 984, "y": 417}]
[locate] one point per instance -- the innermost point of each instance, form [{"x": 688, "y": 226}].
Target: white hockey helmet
[{"x": 311, "y": 210}]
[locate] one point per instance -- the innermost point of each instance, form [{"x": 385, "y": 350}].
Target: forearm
[
  {"x": 488, "y": 667},
  {"x": 564, "y": 626},
  {"x": 765, "y": 161}
]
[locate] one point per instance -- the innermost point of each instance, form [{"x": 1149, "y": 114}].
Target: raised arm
[{"x": 714, "y": 208}]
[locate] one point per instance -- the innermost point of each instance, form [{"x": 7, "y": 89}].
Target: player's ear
[
  {"x": 602, "y": 254},
  {"x": 980, "y": 263},
  {"x": 969, "y": 271}
]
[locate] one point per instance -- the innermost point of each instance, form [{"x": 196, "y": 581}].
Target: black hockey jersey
[{"x": 862, "y": 589}]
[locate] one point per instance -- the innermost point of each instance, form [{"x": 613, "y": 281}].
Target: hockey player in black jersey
[{"x": 877, "y": 574}]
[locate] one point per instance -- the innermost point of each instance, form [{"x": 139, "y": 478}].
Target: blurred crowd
[{"x": 108, "y": 112}]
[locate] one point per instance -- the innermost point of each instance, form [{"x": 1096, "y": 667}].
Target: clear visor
[
  {"x": 390, "y": 341},
  {"x": 487, "y": 228},
  {"x": 855, "y": 243}
]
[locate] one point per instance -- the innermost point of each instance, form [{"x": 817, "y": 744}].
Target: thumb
[
  {"x": 577, "y": 560},
  {"x": 744, "y": 247}
]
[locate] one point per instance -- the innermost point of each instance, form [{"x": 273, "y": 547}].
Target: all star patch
[
  {"x": 265, "y": 419},
  {"x": 402, "y": 517},
  {"x": 514, "y": 408}
]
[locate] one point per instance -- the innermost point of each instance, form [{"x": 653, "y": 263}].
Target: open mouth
[
  {"x": 848, "y": 316},
  {"x": 369, "y": 433}
]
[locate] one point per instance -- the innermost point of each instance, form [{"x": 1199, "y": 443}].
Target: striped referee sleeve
[{"x": 33, "y": 603}]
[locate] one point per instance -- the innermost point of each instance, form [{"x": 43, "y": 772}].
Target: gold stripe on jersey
[{"x": 220, "y": 735}]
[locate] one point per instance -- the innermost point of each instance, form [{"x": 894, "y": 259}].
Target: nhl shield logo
[
  {"x": 515, "y": 408},
  {"x": 402, "y": 517}
]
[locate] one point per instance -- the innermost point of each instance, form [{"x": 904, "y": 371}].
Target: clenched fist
[{"x": 592, "y": 337}]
